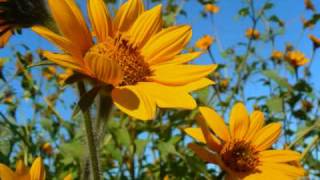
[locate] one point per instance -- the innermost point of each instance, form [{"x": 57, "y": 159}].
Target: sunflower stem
[{"x": 91, "y": 140}]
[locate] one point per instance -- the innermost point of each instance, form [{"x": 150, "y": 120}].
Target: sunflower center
[
  {"x": 128, "y": 59},
  {"x": 240, "y": 156}
]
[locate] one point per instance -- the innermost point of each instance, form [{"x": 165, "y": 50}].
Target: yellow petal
[
  {"x": 267, "y": 136},
  {"x": 21, "y": 169},
  {"x": 205, "y": 154},
  {"x": 6, "y": 173},
  {"x": 215, "y": 123},
  {"x": 256, "y": 123},
  {"x": 147, "y": 24},
  {"x": 133, "y": 102},
  {"x": 196, "y": 85},
  {"x": 103, "y": 68},
  {"x": 68, "y": 177},
  {"x": 239, "y": 121},
  {"x": 63, "y": 60},
  {"x": 285, "y": 169},
  {"x": 279, "y": 156},
  {"x": 5, "y": 38},
  {"x": 62, "y": 42},
  {"x": 100, "y": 19},
  {"x": 71, "y": 23},
  {"x": 213, "y": 143},
  {"x": 182, "y": 58},
  {"x": 267, "y": 173},
  {"x": 37, "y": 171},
  {"x": 166, "y": 44},
  {"x": 196, "y": 133},
  {"x": 127, "y": 14},
  {"x": 180, "y": 74},
  {"x": 166, "y": 96}
]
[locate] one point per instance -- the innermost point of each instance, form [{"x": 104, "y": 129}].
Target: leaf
[
  {"x": 273, "y": 75},
  {"x": 243, "y": 12},
  {"x": 275, "y": 104},
  {"x": 73, "y": 150},
  {"x": 42, "y": 63},
  {"x": 268, "y": 6},
  {"x": 165, "y": 149},
  {"x": 123, "y": 137},
  {"x": 140, "y": 146},
  {"x": 86, "y": 100}
]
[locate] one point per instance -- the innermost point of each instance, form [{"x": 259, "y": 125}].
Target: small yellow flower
[
  {"x": 212, "y": 8},
  {"x": 243, "y": 149},
  {"x": 205, "y": 42},
  {"x": 277, "y": 55},
  {"x": 315, "y": 41},
  {"x": 252, "y": 34},
  {"x": 37, "y": 171},
  {"x": 47, "y": 148},
  {"x": 296, "y": 58},
  {"x": 132, "y": 53}
]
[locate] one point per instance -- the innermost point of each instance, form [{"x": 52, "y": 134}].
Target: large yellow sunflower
[
  {"x": 37, "y": 171},
  {"x": 131, "y": 52},
  {"x": 243, "y": 149}
]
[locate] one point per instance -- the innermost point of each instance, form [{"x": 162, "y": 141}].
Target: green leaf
[
  {"x": 275, "y": 104},
  {"x": 140, "y": 146},
  {"x": 268, "y": 6},
  {"x": 123, "y": 137},
  {"x": 166, "y": 148},
  {"x": 273, "y": 75},
  {"x": 243, "y": 12}
]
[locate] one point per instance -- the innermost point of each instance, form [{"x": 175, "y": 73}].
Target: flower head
[
  {"x": 20, "y": 14},
  {"x": 315, "y": 41},
  {"x": 252, "y": 34},
  {"x": 205, "y": 42},
  {"x": 47, "y": 148},
  {"x": 132, "y": 53},
  {"x": 37, "y": 171},
  {"x": 211, "y": 8},
  {"x": 277, "y": 55},
  {"x": 296, "y": 58},
  {"x": 242, "y": 150}
]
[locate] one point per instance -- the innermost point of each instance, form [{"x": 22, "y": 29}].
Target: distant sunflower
[
  {"x": 132, "y": 53},
  {"x": 205, "y": 42},
  {"x": 37, "y": 171},
  {"x": 252, "y": 34},
  {"x": 242, "y": 149},
  {"x": 296, "y": 58}
]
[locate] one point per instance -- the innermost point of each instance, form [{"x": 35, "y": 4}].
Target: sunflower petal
[
  {"x": 5, "y": 38},
  {"x": 166, "y": 44},
  {"x": 100, "y": 19},
  {"x": 62, "y": 42},
  {"x": 279, "y": 156},
  {"x": 167, "y": 97},
  {"x": 71, "y": 23},
  {"x": 63, "y": 60},
  {"x": 196, "y": 85},
  {"x": 182, "y": 58},
  {"x": 212, "y": 142},
  {"x": 180, "y": 74},
  {"x": 215, "y": 123},
  {"x": 37, "y": 171},
  {"x": 285, "y": 169},
  {"x": 267, "y": 136},
  {"x": 196, "y": 133},
  {"x": 256, "y": 123},
  {"x": 6, "y": 173},
  {"x": 239, "y": 121},
  {"x": 127, "y": 14},
  {"x": 133, "y": 102},
  {"x": 205, "y": 154},
  {"x": 148, "y": 24}
]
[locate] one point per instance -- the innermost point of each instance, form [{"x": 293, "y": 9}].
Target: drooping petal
[
  {"x": 5, "y": 38},
  {"x": 212, "y": 142},
  {"x": 6, "y": 173},
  {"x": 62, "y": 42},
  {"x": 279, "y": 156},
  {"x": 196, "y": 133},
  {"x": 71, "y": 23},
  {"x": 167, "y": 97},
  {"x": 239, "y": 121},
  {"x": 100, "y": 19},
  {"x": 133, "y": 102},
  {"x": 22, "y": 171},
  {"x": 182, "y": 58},
  {"x": 166, "y": 44},
  {"x": 37, "y": 171},
  {"x": 103, "y": 68},
  {"x": 196, "y": 85},
  {"x": 205, "y": 154},
  {"x": 147, "y": 24},
  {"x": 215, "y": 123},
  {"x": 180, "y": 74},
  {"x": 127, "y": 14},
  {"x": 267, "y": 136},
  {"x": 64, "y": 60},
  {"x": 256, "y": 123}
]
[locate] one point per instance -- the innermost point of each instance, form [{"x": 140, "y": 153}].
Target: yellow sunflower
[
  {"x": 131, "y": 52},
  {"x": 243, "y": 149},
  {"x": 205, "y": 42},
  {"x": 296, "y": 58},
  {"x": 37, "y": 171},
  {"x": 252, "y": 34}
]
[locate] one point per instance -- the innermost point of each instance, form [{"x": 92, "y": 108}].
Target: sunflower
[
  {"x": 212, "y": 8},
  {"x": 205, "y": 42},
  {"x": 276, "y": 56},
  {"x": 296, "y": 58},
  {"x": 243, "y": 149},
  {"x": 132, "y": 53},
  {"x": 37, "y": 171},
  {"x": 252, "y": 34}
]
